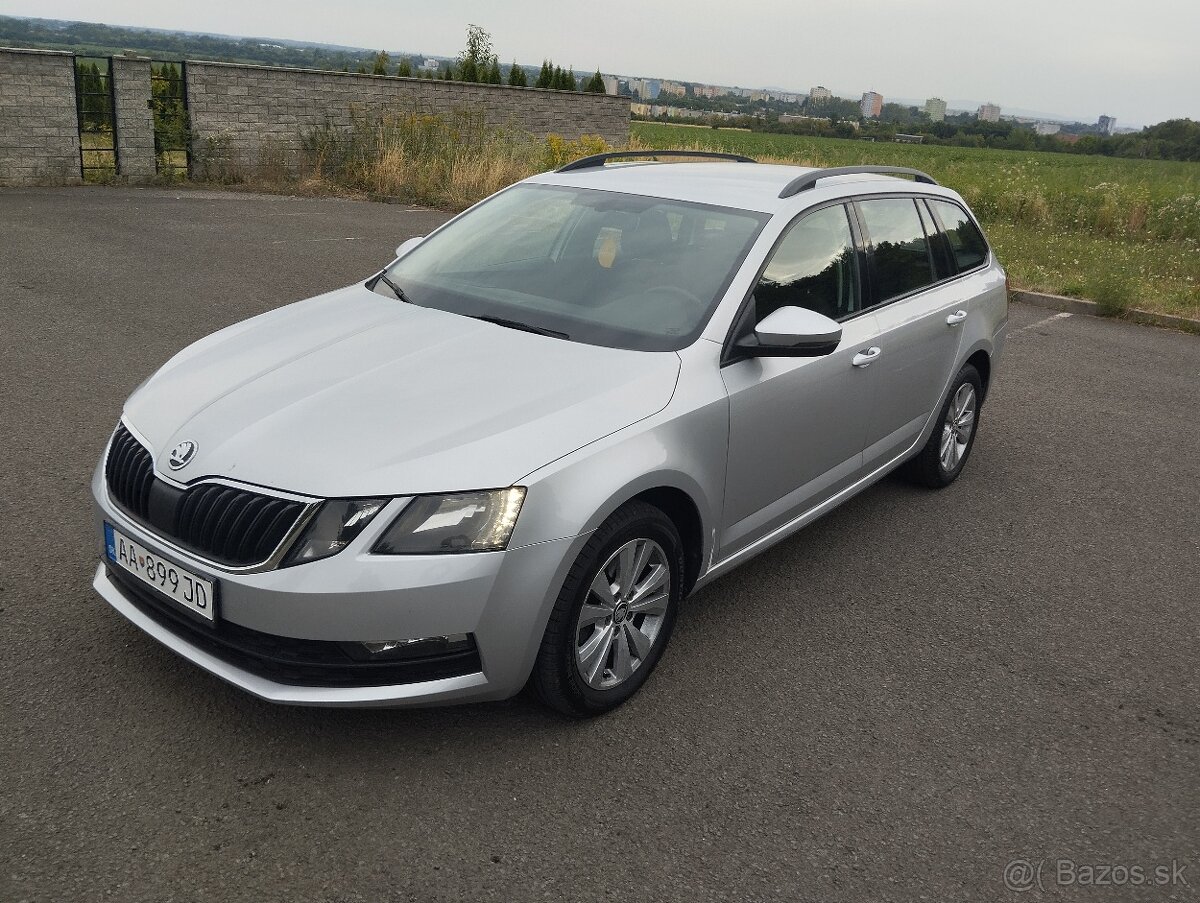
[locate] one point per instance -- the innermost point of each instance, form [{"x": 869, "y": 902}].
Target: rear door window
[
  {"x": 899, "y": 247},
  {"x": 966, "y": 242}
]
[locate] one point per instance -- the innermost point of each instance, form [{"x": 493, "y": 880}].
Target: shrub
[
  {"x": 1113, "y": 292},
  {"x": 443, "y": 161}
]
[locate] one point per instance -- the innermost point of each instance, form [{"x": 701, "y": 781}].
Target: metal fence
[
  {"x": 172, "y": 131},
  {"x": 97, "y": 122}
]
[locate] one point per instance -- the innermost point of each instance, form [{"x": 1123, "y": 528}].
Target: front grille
[
  {"x": 310, "y": 663},
  {"x": 130, "y": 473},
  {"x": 235, "y": 527}
]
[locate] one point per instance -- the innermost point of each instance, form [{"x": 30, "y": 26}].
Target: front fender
[{"x": 683, "y": 447}]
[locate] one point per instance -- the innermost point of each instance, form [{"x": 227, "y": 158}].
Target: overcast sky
[{"x": 1137, "y": 60}]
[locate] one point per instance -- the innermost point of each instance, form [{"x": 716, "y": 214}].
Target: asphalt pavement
[{"x": 895, "y": 704}]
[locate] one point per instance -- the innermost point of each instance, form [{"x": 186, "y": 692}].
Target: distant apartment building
[
  {"x": 871, "y": 105},
  {"x": 1106, "y": 125},
  {"x": 678, "y": 89},
  {"x": 707, "y": 91},
  {"x": 612, "y": 84},
  {"x": 1047, "y": 128},
  {"x": 935, "y": 109},
  {"x": 647, "y": 88},
  {"x": 653, "y": 111},
  {"x": 820, "y": 93},
  {"x": 989, "y": 112},
  {"x": 431, "y": 65}
]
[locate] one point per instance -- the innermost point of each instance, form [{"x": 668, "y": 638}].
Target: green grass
[
  {"x": 98, "y": 159},
  {"x": 1089, "y": 226}
]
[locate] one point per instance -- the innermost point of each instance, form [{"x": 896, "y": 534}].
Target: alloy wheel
[
  {"x": 622, "y": 616},
  {"x": 957, "y": 427}
]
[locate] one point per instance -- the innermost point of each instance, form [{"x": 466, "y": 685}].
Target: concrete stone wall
[
  {"x": 134, "y": 118},
  {"x": 39, "y": 131},
  {"x": 246, "y": 110}
]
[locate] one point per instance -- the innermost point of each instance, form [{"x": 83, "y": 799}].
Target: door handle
[
  {"x": 955, "y": 318},
  {"x": 865, "y": 358}
]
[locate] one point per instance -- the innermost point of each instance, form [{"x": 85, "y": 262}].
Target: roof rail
[
  {"x": 809, "y": 180},
  {"x": 596, "y": 160}
]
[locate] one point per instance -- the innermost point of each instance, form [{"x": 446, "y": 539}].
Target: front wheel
[
  {"x": 944, "y": 455},
  {"x": 614, "y": 615}
]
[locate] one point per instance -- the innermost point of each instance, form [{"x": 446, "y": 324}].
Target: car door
[
  {"x": 918, "y": 313},
  {"x": 797, "y": 424}
]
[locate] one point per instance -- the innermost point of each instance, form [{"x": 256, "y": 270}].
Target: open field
[{"x": 1073, "y": 224}]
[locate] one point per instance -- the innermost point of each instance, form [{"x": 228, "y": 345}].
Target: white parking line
[
  {"x": 1046, "y": 321},
  {"x": 288, "y": 241}
]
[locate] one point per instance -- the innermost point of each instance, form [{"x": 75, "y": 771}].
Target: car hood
[{"x": 354, "y": 394}]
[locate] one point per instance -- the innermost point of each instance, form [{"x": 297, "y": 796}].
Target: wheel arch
[
  {"x": 685, "y": 515},
  {"x": 981, "y": 360}
]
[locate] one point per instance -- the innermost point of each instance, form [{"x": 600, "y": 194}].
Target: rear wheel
[
  {"x": 614, "y": 615},
  {"x": 944, "y": 455}
]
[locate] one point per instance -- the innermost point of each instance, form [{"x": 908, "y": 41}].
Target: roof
[{"x": 747, "y": 186}]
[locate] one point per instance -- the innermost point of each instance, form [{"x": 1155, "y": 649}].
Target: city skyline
[{"x": 1069, "y": 66}]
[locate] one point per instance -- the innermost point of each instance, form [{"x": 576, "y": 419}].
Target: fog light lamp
[{"x": 417, "y": 647}]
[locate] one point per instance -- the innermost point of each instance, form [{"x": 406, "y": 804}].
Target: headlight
[
  {"x": 336, "y": 524},
  {"x": 462, "y": 522}
]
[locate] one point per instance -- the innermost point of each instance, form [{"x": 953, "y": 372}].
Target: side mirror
[
  {"x": 408, "y": 245},
  {"x": 792, "y": 332}
]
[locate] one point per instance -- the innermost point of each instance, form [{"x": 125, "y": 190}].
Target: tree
[
  {"x": 566, "y": 80},
  {"x": 546, "y": 76},
  {"x": 404, "y": 68},
  {"x": 380, "y": 66},
  {"x": 93, "y": 97},
  {"x": 516, "y": 76},
  {"x": 595, "y": 84},
  {"x": 447, "y": 75},
  {"x": 475, "y": 61},
  {"x": 493, "y": 73},
  {"x": 170, "y": 116}
]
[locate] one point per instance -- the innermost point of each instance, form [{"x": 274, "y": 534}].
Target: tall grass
[
  {"x": 441, "y": 161},
  {"x": 1102, "y": 196}
]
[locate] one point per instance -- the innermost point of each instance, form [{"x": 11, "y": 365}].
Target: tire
[
  {"x": 938, "y": 464},
  {"x": 578, "y": 671}
]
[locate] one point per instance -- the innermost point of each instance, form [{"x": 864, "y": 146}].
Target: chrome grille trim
[{"x": 210, "y": 516}]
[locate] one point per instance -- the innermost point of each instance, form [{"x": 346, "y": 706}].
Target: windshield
[{"x": 592, "y": 266}]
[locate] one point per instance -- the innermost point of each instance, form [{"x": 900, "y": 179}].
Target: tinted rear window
[{"x": 966, "y": 242}]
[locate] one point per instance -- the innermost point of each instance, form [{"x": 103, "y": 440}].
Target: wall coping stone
[
  {"x": 32, "y": 51},
  {"x": 400, "y": 78}
]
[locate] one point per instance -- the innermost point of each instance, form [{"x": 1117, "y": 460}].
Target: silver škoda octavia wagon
[{"x": 507, "y": 457}]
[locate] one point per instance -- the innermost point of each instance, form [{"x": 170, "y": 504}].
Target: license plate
[{"x": 191, "y": 591}]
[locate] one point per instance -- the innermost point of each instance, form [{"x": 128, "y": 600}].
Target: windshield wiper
[
  {"x": 525, "y": 327},
  {"x": 399, "y": 292}
]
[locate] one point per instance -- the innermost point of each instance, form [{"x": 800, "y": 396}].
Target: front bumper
[{"x": 501, "y": 599}]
